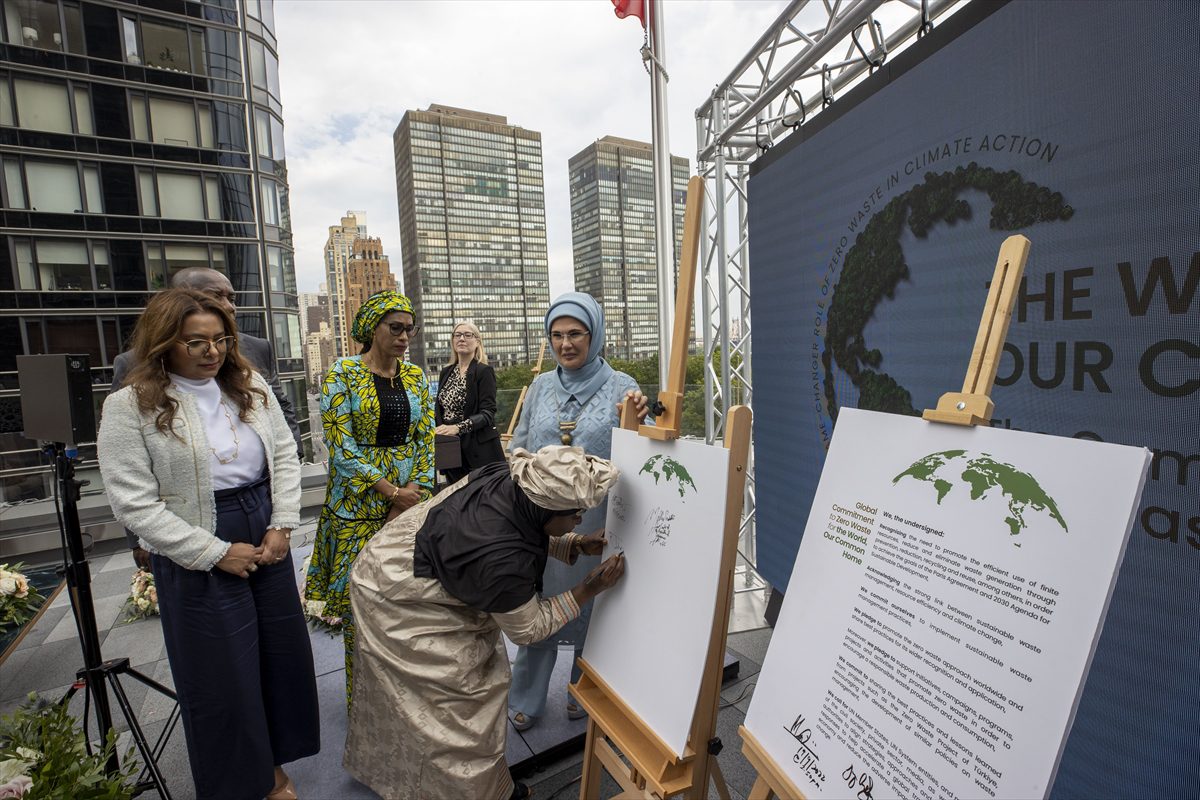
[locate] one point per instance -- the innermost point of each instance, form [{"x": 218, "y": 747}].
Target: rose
[
  {"x": 8, "y": 583},
  {"x": 22, "y": 586},
  {"x": 17, "y": 787},
  {"x": 153, "y": 594},
  {"x": 11, "y": 768}
]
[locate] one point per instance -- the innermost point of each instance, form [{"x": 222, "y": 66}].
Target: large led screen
[{"x": 873, "y": 233}]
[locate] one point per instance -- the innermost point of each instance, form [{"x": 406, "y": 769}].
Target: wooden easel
[
  {"x": 617, "y": 738},
  {"x": 971, "y": 406},
  {"x": 506, "y": 438}
]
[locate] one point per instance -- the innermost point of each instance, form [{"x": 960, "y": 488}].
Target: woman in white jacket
[{"x": 199, "y": 463}]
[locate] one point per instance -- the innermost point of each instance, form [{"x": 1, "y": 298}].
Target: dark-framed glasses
[
  {"x": 574, "y": 337},
  {"x": 395, "y": 329},
  {"x": 201, "y": 347},
  {"x": 462, "y": 335}
]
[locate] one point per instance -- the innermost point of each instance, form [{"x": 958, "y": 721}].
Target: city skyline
[{"x": 574, "y": 90}]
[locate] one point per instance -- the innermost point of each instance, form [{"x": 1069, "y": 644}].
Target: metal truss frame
[{"x": 786, "y": 79}]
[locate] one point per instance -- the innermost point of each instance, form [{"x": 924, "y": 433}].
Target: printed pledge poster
[{"x": 944, "y": 607}]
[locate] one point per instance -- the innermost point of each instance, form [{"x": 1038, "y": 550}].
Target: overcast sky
[{"x": 569, "y": 69}]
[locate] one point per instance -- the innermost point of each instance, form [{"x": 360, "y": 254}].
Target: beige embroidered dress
[{"x": 431, "y": 675}]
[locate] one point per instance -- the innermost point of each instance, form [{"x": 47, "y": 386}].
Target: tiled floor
[{"x": 48, "y": 656}]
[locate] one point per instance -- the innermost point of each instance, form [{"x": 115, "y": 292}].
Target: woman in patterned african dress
[{"x": 378, "y": 421}]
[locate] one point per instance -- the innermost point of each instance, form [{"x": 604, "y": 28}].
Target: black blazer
[{"x": 480, "y": 445}]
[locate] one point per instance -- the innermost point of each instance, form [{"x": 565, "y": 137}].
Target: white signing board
[
  {"x": 649, "y": 635},
  {"x": 946, "y": 601}
]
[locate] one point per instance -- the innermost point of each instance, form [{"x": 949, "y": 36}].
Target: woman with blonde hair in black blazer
[{"x": 466, "y": 402}]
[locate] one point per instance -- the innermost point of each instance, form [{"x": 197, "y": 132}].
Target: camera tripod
[{"x": 98, "y": 675}]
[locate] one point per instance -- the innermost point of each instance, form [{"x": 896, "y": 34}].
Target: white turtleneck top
[{"x": 229, "y": 438}]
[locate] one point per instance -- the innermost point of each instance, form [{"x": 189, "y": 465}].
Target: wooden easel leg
[
  {"x": 589, "y": 784},
  {"x": 760, "y": 790},
  {"x": 718, "y": 778}
]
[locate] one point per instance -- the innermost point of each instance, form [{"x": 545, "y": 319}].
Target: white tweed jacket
[{"x": 160, "y": 485}]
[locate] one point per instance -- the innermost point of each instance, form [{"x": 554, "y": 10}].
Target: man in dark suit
[{"x": 257, "y": 351}]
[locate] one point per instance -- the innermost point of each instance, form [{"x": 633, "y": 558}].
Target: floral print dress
[{"x": 353, "y": 510}]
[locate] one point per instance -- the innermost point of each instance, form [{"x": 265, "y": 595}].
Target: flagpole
[{"x": 664, "y": 217}]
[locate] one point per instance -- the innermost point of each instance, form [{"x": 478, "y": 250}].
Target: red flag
[{"x": 631, "y": 8}]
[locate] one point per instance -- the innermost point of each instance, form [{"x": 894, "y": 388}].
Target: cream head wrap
[{"x": 561, "y": 478}]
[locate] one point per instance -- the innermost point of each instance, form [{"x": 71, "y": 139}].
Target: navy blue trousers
[{"x": 241, "y": 660}]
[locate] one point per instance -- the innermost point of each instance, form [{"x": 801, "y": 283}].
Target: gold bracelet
[{"x": 395, "y": 494}]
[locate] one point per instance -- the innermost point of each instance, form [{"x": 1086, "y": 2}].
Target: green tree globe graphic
[{"x": 875, "y": 266}]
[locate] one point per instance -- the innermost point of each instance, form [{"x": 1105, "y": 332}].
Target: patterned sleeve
[
  {"x": 345, "y": 456},
  {"x": 422, "y": 472},
  {"x": 537, "y": 618},
  {"x": 563, "y": 547}
]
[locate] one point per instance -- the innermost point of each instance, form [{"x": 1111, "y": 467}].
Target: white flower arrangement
[
  {"x": 18, "y": 600},
  {"x": 14, "y": 773},
  {"x": 44, "y": 754},
  {"x": 143, "y": 595}
]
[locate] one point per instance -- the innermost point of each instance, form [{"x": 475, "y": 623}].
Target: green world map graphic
[
  {"x": 668, "y": 470},
  {"x": 982, "y": 473}
]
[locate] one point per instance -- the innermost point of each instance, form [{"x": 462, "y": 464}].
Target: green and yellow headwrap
[{"x": 376, "y": 308}]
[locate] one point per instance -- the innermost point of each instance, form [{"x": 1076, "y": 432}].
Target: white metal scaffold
[{"x": 783, "y": 82}]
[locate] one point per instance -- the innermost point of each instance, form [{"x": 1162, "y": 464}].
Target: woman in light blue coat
[{"x": 577, "y": 404}]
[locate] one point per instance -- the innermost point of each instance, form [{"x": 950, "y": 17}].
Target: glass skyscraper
[
  {"x": 136, "y": 139},
  {"x": 473, "y": 230},
  {"x": 612, "y": 236}
]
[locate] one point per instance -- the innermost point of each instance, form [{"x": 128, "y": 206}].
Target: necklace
[
  {"x": 237, "y": 445},
  {"x": 391, "y": 379},
  {"x": 566, "y": 427}
]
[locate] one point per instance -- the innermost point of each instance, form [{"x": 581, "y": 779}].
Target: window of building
[
  {"x": 268, "y": 133},
  {"x": 264, "y": 67},
  {"x": 38, "y": 23},
  {"x": 162, "y": 45},
  {"x": 179, "y": 195},
  {"x": 63, "y": 265},
  {"x": 51, "y": 265},
  {"x": 287, "y": 335},
  {"x": 258, "y": 64},
  {"x": 164, "y": 260},
  {"x": 47, "y": 106},
  {"x": 270, "y": 202},
  {"x": 54, "y": 186},
  {"x": 275, "y": 269},
  {"x": 177, "y": 122},
  {"x": 268, "y": 14}
]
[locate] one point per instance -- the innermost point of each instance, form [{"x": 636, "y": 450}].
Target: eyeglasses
[
  {"x": 574, "y": 337},
  {"x": 462, "y": 335},
  {"x": 395, "y": 328},
  {"x": 201, "y": 347}
]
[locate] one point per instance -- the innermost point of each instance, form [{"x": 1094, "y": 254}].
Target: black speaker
[{"x": 56, "y": 398}]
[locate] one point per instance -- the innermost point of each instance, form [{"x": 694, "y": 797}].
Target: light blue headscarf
[{"x": 581, "y": 383}]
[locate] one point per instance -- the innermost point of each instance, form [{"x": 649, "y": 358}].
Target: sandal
[
  {"x": 522, "y": 722},
  {"x": 575, "y": 711},
  {"x": 284, "y": 791}
]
